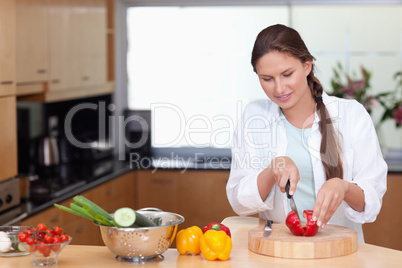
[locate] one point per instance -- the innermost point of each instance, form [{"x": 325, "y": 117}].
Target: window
[{"x": 191, "y": 67}]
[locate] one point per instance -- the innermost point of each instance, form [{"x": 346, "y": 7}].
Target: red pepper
[
  {"x": 311, "y": 226},
  {"x": 217, "y": 227},
  {"x": 294, "y": 225}
]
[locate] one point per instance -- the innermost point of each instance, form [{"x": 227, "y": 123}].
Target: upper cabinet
[
  {"x": 32, "y": 45},
  {"x": 89, "y": 42},
  {"x": 7, "y": 47},
  {"x": 75, "y": 49},
  {"x": 77, "y": 40}
]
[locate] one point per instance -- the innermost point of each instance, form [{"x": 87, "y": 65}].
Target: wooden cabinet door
[
  {"x": 60, "y": 66},
  {"x": 159, "y": 189},
  {"x": 88, "y": 42},
  {"x": 7, "y": 47},
  {"x": 32, "y": 49},
  {"x": 385, "y": 231},
  {"x": 94, "y": 45},
  {"x": 8, "y": 137},
  {"x": 203, "y": 197}
]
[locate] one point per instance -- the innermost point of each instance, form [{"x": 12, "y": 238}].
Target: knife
[
  {"x": 267, "y": 228},
  {"x": 291, "y": 200}
]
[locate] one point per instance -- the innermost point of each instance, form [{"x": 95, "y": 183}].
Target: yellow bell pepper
[
  {"x": 188, "y": 240},
  {"x": 215, "y": 245}
]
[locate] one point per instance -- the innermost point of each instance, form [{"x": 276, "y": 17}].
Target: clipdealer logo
[{"x": 216, "y": 131}]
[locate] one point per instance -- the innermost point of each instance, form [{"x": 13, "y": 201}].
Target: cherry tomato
[
  {"x": 30, "y": 240},
  {"x": 48, "y": 238},
  {"x": 64, "y": 237},
  {"x": 40, "y": 235},
  {"x": 29, "y": 232},
  {"x": 55, "y": 247},
  {"x": 32, "y": 248},
  {"x": 56, "y": 239},
  {"x": 57, "y": 230},
  {"x": 45, "y": 249},
  {"x": 41, "y": 227},
  {"x": 22, "y": 237}
]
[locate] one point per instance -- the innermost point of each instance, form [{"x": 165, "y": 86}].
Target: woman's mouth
[{"x": 284, "y": 97}]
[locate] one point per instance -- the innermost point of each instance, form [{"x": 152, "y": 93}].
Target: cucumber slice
[
  {"x": 124, "y": 217},
  {"x": 21, "y": 247}
]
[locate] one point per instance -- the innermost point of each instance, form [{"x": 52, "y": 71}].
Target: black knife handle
[
  {"x": 287, "y": 187},
  {"x": 269, "y": 223}
]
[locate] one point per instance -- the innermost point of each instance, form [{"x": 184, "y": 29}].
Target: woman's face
[{"x": 284, "y": 79}]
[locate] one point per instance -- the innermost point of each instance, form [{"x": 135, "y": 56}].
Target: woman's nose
[{"x": 279, "y": 86}]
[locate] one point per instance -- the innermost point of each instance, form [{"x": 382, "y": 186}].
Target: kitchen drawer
[
  {"x": 119, "y": 190},
  {"x": 159, "y": 189},
  {"x": 51, "y": 217},
  {"x": 83, "y": 232}
]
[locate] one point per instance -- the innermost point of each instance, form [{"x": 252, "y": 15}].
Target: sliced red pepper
[
  {"x": 217, "y": 227},
  {"x": 311, "y": 226},
  {"x": 294, "y": 225}
]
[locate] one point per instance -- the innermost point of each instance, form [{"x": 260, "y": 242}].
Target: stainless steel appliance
[{"x": 9, "y": 200}]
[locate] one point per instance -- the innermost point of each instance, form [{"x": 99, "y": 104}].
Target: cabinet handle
[
  {"x": 110, "y": 191},
  {"x": 41, "y": 71},
  {"x": 55, "y": 219},
  {"x": 56, "y": 81},
  {"x": 162, "y": 181},
  {"x": 80, "y": 229},
  {"x": 6, "y": 82}
]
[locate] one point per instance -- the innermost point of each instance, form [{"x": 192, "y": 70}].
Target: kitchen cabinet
[
  {"x": 198, "y": 195},
  {"x": 32, "y": 46},
  {"x": 110, "y": 196},
  {"x": 60, "y": 32},
  {"x": 75, "y": 48},
  {"x": 8, "y": 137},
  {"x": 8, "y": 117},
  {"x": 87, "y": 39},
  {"x": 7, "y": 47},
  {"x": 385, "y": 231}
]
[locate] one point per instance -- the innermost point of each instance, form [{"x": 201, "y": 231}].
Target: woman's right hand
[{"x": 283, "y": 169}]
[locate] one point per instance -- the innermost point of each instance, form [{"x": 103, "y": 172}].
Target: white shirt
[{"x": 261, "y": 136}]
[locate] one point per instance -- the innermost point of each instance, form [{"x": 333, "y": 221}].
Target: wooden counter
[{"x": 99, "y": 256}]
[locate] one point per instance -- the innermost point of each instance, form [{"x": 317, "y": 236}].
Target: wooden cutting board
[{"x": 332, "y": 241}]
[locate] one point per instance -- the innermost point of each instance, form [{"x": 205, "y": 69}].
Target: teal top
[{"x": 297, "y": 150}]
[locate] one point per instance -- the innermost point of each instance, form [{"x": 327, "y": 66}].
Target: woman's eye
[
  {"x": 289, "y": 74},
  {"x": 267, "y": 79}
]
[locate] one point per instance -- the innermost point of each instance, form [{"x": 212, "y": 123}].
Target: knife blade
[
  {"x": 291, "y": 200},
  {"x": 267, "y": 228}
]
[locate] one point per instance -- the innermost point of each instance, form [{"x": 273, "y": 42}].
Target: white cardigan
[{"x": 261, "y": 136}]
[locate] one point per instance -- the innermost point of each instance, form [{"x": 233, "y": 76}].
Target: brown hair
[{"x": 284, "y": 39}]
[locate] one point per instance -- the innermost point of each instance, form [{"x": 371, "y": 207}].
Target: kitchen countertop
[{"x": 99, "y": 256}]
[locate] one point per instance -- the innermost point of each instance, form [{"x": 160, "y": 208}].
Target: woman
[{"x": 325, "y": 146}]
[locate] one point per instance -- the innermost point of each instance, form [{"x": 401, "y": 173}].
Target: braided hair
[{"x": 284, "y": 39}]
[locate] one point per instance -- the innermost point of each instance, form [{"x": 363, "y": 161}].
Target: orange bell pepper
[
  {"x": 188, "y": 240},
  {"x": 215, "y": 245}
]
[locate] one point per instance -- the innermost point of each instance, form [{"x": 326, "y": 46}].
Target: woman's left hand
[{"x": 329, "y": 197}]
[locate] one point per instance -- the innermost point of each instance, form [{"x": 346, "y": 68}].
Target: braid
[{"x": 329, "y": 149}]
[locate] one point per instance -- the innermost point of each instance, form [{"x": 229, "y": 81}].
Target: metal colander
[{"x": 145, "y": 244}]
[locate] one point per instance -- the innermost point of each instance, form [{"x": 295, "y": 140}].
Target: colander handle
[{"x": 150, "y": 209}]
